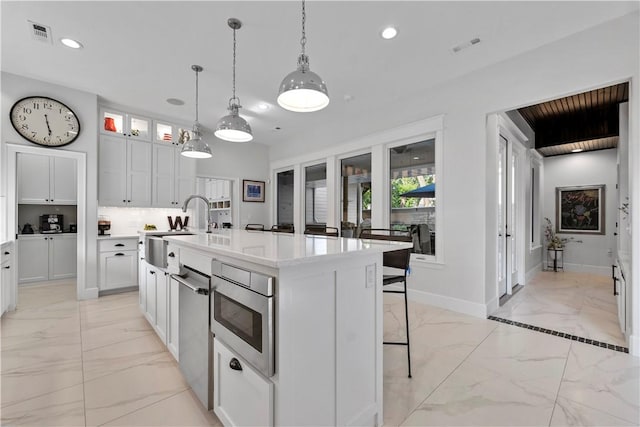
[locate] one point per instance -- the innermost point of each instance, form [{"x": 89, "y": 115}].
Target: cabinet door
[
  {"x": 138, "y": 173},
  {"x": 63, "y": 181},
  {"x": 185, "y": 177},
  {"x": 150, "y": 282},
  {"x": 226, "y": 189},
  {"x": 621, "y": 299},
  {"x": 163, "y": 176},
  {"x": 256, "y": 406},
  {"x": 113, "y": 122},
  {"x": 62, "y": 257},
  {"x": 118, "y": 269},
  {"x": 174, "y": 318},
  {"x": 33, "y": 179},
  {"x": 33, "y": 259},
  {"x": 162, "y": 306},
  {"x": 112, "y": 171},
  {"x": 142, "y": 284}
]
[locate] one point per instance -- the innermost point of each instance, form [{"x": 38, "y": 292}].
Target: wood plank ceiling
[{"x": 587, "y": 121}]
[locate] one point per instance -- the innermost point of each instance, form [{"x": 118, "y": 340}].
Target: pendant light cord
[
  {"x": 303, "y": 40},
  {"x": 234, "y": 66},
  {"x": 197, "y": 72}
]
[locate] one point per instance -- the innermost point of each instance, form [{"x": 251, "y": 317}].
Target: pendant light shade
[
  {"x": 196, "y": 147},
  {"x": 303, "y": 90},
  {"x": 233, "y": 127}
]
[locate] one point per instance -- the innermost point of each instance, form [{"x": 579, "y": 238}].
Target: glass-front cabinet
[
  {"x": 129, "y": 125},
  {"x": 169, "y": 133}
]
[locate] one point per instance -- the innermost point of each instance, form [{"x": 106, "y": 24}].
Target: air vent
[
  {"x": 465, "y": 45},
  {"x": 40, "y": 32}
]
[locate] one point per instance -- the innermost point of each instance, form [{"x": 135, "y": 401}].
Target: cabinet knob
[
  {"x": 124, "y": 201},
  {"x": 8, "y": 266},
  {"x": 46, "y": 238},
  {"x": 7, "y": 253},
  {"x": 119, "y": 254},
  {"x": 140, "y": 242},
  {"x": 235, "y": 364},
  {"x": 119, "y": 245},
  {"x": 171, "y": 254},
  {"x": 152, "y": 272},
  {"x": 128, "y": 201}
]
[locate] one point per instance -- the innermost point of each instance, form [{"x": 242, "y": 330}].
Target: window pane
[
  {"x": 413, "y": 193},
  {"x": 355, "y": 197},
  {"x": 315, "y": 200},
  {"x": 285, "y": 198}
]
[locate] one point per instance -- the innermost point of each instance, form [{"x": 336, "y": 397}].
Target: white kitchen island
[{"x": 328, "y": 326}]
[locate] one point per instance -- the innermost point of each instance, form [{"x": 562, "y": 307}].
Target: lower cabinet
[
  {"x": 155, "y": 298},
  {"x": 233, "y": 377},
  {"x": 6, "y": 277},
  {"x": 174, "y": 306},
  {"x": 118, "y": 260},
  {"x": 46, "y": 257}
]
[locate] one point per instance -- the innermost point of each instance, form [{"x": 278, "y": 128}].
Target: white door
[
  {"x": 62, "y": 256},
  {"x": 33, "y": 259},
  {"x": 33, "y": 179},
  {"x": 502, "y": 216},
  {"x": 63, "y": 181},
  {"x": 163, "y": 176}
]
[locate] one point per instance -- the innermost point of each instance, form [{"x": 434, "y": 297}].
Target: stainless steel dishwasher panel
[{"x": 195, "y": 347}]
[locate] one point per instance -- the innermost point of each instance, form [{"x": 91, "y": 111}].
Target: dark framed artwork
[
  {"x": 252, "y": 191},
  {"x": 580, "y": 209}
]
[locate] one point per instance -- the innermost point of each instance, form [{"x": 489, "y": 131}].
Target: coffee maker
[
  {"x": 51, "y": 223},
  {"x": 104, "y": 225}
]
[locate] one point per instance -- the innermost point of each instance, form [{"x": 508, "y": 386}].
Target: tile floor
[
  {"x": 575, "y": 303},
  {"x": 99, "y": 363}
]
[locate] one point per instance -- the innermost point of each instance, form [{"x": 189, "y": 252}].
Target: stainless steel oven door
[{"x": 243, "y": 319}]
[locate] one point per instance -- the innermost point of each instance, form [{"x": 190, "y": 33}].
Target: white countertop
[
  {"x": 117, "y": 236},
  {"x": 281, "y": 249}
]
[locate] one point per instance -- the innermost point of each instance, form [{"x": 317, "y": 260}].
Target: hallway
[{"x": 574, "y": 303}]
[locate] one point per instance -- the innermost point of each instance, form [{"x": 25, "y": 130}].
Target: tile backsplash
[{"x": 126, "y": 221}]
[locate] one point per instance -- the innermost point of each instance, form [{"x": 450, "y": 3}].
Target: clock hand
[{"x": 48, "y": 127}]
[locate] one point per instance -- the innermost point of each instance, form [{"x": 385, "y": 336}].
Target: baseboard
[
  {"x": 532, "y": 272},
  {"x": 492, "y": 306},
  {"x": 449, "y": 303},
  {"x": 634, "y": 345},
  {"x": 117, "y": 291},
  {"x": 590, "y": 269},
  {"x": 91, "y": 293}
]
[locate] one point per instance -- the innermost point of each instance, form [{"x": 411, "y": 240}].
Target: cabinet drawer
[
  {"x": 255, "y": 408},
  {"x": 118, "y": 245}
]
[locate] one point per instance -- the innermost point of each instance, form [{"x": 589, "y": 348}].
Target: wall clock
[{"x": 45, "y": 121}]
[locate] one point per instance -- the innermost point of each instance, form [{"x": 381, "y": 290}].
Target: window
[
  {"x": 315, "y": 195},
  {"x": 355, "y": 197},
  {"x": 535, "y": 219},
  {"x": 412, "y": 184},
  {"x": 285, "y": 198}
]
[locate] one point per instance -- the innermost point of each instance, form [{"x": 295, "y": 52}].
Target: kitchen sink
[{"x": 155, "y": 247}]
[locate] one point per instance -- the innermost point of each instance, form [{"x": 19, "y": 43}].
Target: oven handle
[{"x": 195, "y": 289}]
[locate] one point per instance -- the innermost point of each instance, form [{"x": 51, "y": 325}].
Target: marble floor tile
[
  {"x": 116, "y": 332},
  {"x": 570, "y": 413},
  {"x": 46, "y": 293},
  {"x": 182, "y": 409},
  {"x": 27, "y": 350},
  {"x": 605, "y": 380},
  {"x": 125, "y": 354},
  {"x": 60, "y": 408},
  {"x": 112, "y": 396},
  {"x": 99, "y": 317},
  {"x": 600, "y": 325}
]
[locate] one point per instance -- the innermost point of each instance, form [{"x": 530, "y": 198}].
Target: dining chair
[
  {"x": 321, "y": 231},
  {"x": 399, "y": 260},
  {"x": 254, "y": 227},
  {"x": 282, "y": 228}
]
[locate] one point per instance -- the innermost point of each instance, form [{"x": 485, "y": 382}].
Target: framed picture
[
  {"x": 580, "y": 209},
  {"x": 252, "y": 191}
]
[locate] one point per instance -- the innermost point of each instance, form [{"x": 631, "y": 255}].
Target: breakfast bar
[{"x": 317, "y": 359}]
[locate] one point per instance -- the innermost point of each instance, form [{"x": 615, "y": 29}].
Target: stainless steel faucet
[{"x": 210, "y": 223}]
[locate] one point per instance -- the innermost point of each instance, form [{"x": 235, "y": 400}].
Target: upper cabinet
[
  {"x": 118, "y": 123},
  {"x": 168, "y": 133},
  {"x": 46, "y": 180}
]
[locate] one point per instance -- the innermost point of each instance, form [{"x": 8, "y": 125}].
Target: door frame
[
  {"x": 505, "y": 127},
  {"x": 81, "y": 208}
]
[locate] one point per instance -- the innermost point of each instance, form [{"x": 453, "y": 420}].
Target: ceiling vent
[
  {"x": 39, "y": 32},
  {"x": 465, "y": 45}
]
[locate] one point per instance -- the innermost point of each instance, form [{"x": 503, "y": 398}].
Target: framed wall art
[
  {"x": 580, "y": 209},
  {"x": 252, "y": 191}
]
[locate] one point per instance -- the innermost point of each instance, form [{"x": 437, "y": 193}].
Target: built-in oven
[{"x": 242, "y": 314}]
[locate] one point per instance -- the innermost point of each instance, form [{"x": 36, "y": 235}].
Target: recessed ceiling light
[
  {"x": 73, "y": 44},
  {"x": 577, "y": 150},
  {"x": 389, "y": 33},
  {"x": 175, "y": 101}
]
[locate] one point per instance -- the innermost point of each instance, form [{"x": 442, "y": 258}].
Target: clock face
[{"x": 45, "y": 121}]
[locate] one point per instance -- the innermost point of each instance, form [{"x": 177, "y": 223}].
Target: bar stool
[
  {"x": 254, "y": 227},
  {"x": 321, "y": 231},
  {"x": 282, "y": 228}
]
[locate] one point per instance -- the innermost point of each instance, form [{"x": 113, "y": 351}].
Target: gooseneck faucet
[{"x": 210, "y": 225}]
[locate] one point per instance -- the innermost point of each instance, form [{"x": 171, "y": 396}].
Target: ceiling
[
  {"x": 586, "y": 121},
  {"x": 138, "y": 54}
]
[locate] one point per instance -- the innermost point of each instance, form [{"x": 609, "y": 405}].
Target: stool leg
[{"x": 406, "y": 317}]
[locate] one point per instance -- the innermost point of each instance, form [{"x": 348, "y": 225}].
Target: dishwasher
[{"x": 195, "y": 337}]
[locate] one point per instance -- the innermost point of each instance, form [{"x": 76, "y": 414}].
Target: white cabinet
[
  {"x": 174, "y": 318},
  {"x": 151, "y": 279},
  {"x": 46, "y": 257},
  {"x": 620, "y": 292},
  {"x": 6, "y": 277},
  {"x": 46, "y": 180},
  {"x": 118, "y": 123},
  {"x": 174, "y": 176},
  {"x": 218, "y": 189},
  {"x": 118, "y": 260},
  {"x": 233, "y": 378},
  {"x": 124, "y": 172},
  {"x": 156, "y": 305}
]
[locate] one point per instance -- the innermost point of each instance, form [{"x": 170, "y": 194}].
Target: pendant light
[
  {"x": 196, "y": 148},
  {"x": 232, "y": 127},
  {"x": 303, "y": 90}
]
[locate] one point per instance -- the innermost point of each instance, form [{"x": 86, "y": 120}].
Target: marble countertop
[
  {"x": 117, "y": 236},
  {"x": 281, "y": 249}
]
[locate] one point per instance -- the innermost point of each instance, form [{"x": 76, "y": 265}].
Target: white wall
[
  {"x": 85, "y": 105},
  {"x": 594, "y": 58},
  {"x": 595, "y": 253}
]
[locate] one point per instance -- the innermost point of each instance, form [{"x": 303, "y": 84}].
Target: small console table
[{"x": 555, "y": 258}]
